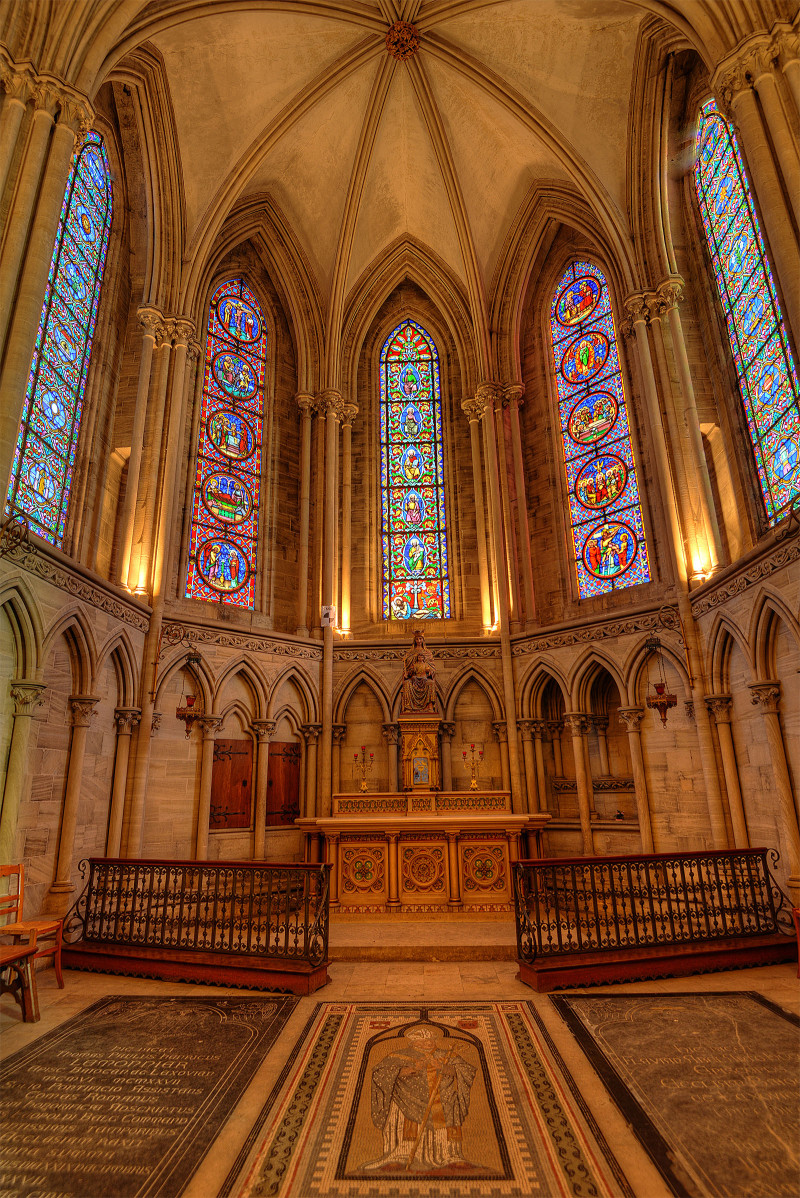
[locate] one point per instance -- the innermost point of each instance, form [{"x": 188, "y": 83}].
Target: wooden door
[
  {"x": 231, "y": 784},
  {"x": 283, "y": 784}
]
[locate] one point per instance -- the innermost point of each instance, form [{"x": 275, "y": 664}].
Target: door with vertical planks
[
  {"x": 231, "y": 785},
  {"x": 283, "y": 784}
]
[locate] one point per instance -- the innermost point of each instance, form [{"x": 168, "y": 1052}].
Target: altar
[{"x": 422, "y": 851}]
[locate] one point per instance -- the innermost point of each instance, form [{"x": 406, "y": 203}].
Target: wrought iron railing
[
  {"x": 235, "y": 907},
  {"x": 593, "y": 904}
]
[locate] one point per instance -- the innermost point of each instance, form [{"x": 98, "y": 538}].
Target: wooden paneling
[
  {"x": 283, "y": 783},
  {"x": 231, "y": 784}
]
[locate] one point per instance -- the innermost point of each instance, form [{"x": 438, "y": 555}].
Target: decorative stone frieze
[
  {"x": 666, "y": 617},
  {"x": 453, "y": 653},
  {"x": 783, "y": 555},
  {"x": 248, "y": 641},
  {"x": 38, "y": 563}
]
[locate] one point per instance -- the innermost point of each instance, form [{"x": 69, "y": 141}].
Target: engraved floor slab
[
  {"x": 707, "y": 1081},
  {"x": 127, "y": 1097},
  {"x": 431, "y": 1100}
]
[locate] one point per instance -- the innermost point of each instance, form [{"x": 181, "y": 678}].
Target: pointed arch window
[
  {"x": 223, "y": 539},
  {"x": 415, "y": 572},
  {"x": 44, "y": 460},
  {"x": 607, "y": 532},
  {"x": 756, "y": 330}
]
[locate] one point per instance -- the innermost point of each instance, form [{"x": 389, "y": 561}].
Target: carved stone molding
[
  {"x": 27, "y": 696},
  {"x": 338, "y": 732},
  {"x": 126, "y": 719},
  {"x": 782, "y": 555},
  {"x": 248, "y": 641},
  {"x": 311, "y": 733},
  {"x": 391, "y": 733},
  {"x": 209, "y": 725},
  {"x": 82, "y": 708},
  {"x": 37, "y": 562},
  {"x": 500, "y": 731},
  {"x": 720, "y": 707},
  {"x": 264, "y": 730},
  {"x": 306, "y": 403},
  {"x": 443, "y": 653},
  {"x": 447, "y": 729},
  {"x": 349, "y": 413},
  {"x": 155, "y": 723},
  {"x": 631, "y": 717},
  {"x": 473, "y": 408},
  {"x": 622, "y": 626},
  {"x": 766, "y": 695},
  {"x": 577, "y": 722},
  {"x": 603, "y": 785}
]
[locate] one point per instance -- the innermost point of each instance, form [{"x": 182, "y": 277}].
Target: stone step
[{"x": 437, "y": 938}]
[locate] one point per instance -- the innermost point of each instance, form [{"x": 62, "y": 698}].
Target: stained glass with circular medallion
[
  {"x": 223, "y": 547},
  {"x": 766, "y": 369},
  {"x": 609, "y": 547},
  {"x": 44, "y": 459}
]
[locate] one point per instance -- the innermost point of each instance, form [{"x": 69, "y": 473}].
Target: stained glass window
[
  {"x": 224, "y": 532},
  {"x": 415, "y": 580},
  {"x": 767, "y": 376},
  {"x": 608, "y": 540},
  {"x": 44, "y": 459}
]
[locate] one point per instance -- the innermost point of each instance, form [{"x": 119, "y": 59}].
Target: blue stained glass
[
  {"x": 415, "y": 574},
  {"x": 223, "y": 540},
  {"x": 607, "y": 532},
  {"x": 41, "y": 475},
  {"x": 759, "y": 345}
]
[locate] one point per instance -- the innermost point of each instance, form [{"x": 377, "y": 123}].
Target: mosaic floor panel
[
  {"x": 382, "y": 1099},
  {"x": 707, "y": 1081},
  {"x": 126, "y": 1098}
]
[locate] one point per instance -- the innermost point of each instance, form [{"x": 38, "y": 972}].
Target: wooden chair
[
  {"x": 49, "y": 928},
  {"x": 17, "y": 959}
]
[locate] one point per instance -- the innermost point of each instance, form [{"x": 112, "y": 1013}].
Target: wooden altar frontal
[{"x": 422, "y": 850}]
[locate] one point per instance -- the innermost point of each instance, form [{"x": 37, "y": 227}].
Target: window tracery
[
  {"x": 225, "y": 504},
  {"x": 757, "y": 335},
  {"x": 44, "y": 459},
  {"x": 608, "y": 539},
  {"x": 415, "y": 573}
]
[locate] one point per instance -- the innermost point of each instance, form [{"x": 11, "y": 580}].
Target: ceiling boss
[{"x": 402, "y": 40}]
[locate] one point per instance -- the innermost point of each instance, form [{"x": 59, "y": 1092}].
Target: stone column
[
  {"x": 28, "y": 283},
  {"x": 528, "y": 756},
  {"x": 447, "y": 729},
  {"x": 554, "y": 728},
  {"x": 474, "y": 412},
  {"x": 737, "y": 98},
  {"x": 667, "y": 297},
  {"x": 264, "y": 731},
  {"x": 766, "y": 695},
  {"x": 761, "y": 66},
  {"x": 332, "y": 854},
  {"x": 510, "y": 554},
  {"x": 306, "y": 404},
  {"x": 500, "y": 733},
  {"x": 182, "y": 331},
  {"x": 576, "y": 722},
  {"x": 332, "y": 401},
  {"x": 338, "y": 733},
  {"x": 27, "y": 696},
  {"x": 153, "y": 328},
  {"x": 18, "y": 84},
  {"x": 454, "y": 897},
  {"x": 600, "y": 725},
  {"x": 631, "y": 717},
  {"x": 311, "y": 736},
  {"x": 787, "y": 45},
  {"x": 538, "y": 729},
  {"x": 391, "y": 734},
  {"x": 145, "y": 501},
  {"x": 82, "y": 708},
  {"x": 209, "y": 726},
  {"x": 393, "y": 869},
  {"x": 126, "y": 719},
  {"x": 513, "y": 397},
  {"x": 720, "y": 707},
  {"x": 349, "y": 413}
]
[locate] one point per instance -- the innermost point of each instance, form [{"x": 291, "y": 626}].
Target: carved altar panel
[
  {"x": 363, "y": 877},
  {"x": 423, "y": 869},
  {"x": 419, "y": 753},
  {"x": 485, "y": 872}
]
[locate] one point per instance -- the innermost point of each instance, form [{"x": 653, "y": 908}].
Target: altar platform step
[{"x": 436, "y": 938}]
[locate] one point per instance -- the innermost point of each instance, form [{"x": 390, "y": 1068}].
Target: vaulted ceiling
[{"x": 302, "y": 100}]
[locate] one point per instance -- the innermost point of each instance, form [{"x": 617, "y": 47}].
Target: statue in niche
[{"x": 419, "y": 687}]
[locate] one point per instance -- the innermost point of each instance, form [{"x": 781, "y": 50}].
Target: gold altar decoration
[
  {"x": 473, "y": 765},
  {"x": 364, "y": 766}
]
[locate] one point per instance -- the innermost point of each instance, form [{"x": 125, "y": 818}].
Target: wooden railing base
[
  {"x": 176, "y": 965},
  {"x": 654, "y": 961}
]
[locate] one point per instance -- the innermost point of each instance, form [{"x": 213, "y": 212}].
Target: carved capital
[
  {"x": 500, "y": 731},
  {"x": 577, "y": 722},
  {"x": 391, "y": 733},
  {"x": 473, "y": 408},
  {"x": 193, "y": 351},
  {"x": 46, "y": 97},
  {"x": 209, "y": 725},
  {"x": 489, "y": 394},
  {"x": 155, "y": 723},
  {"x": 126, "y": 719},
  {"x": 181, "y": 330},
  {"x": 688, "y": 707},
  {"x": 77, "y": 114},
  {"x": 538, "y": 728},
  {"x": 330, "y": 403},
  {"x": 554, "y": 727},
  {"x": 666, "y": 296},
  {"x": 306, "y": 403},
  {"x": 338, "y": 732},
  {"x": 27, "y": 696},
  {"x": 448, "y": 729},
  {"x": 349, "y": 413},
  {"x": 637, "y": 308},
  {"x": 720, "y": 707},
  {"x": 82, "y": 708},
  {"x": 311, "y": 733},
  {"x": 18, "y": 82},
  {"x": 525, "y": 728},
  {"x": 766, "y": 695},
  {"x": 730, "y": 83},
  {"x": 152, "y": 322},
  {"x": 787, "y": 46},
  {"x": 600, "y": 722},
  {"x": 264, "y": 730},
  {"x": 513, "y": 394},
  {"x": 631, "y": 717}
]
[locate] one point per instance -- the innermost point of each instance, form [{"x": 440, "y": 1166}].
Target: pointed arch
[
  {"x": 237, "y": 708},
  {"x": 305, "y": 688},
  {"x": 584, "y": 674},
  {"x": 534, "y": 685},
  {"x": 361, "y": 676},
  {"x": 637, "y": 670},
  {"x": 202, "y": 673},
  {"x": 22, "y": 612},
  {"x": 725, "y": 633},
  {"x": 73, "y": 625},
  {"x": 768, "y": 608},
  {"x": 467, "y": 675},
  {"x": 120, "y": 648},
  {"x": 250, "y": 673}
]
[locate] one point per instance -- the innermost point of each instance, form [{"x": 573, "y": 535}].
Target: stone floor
[{"x": 403, "y": 980}]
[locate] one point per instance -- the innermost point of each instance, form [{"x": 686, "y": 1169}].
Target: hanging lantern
[
  {"x": 660, "y": 700},
  {"x": 186, "y": 709}
]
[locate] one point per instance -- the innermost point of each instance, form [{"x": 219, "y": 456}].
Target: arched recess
[
  {"x": 373, "y": 682},
  {"x": 246, "y": 671},
  {"x": 585, "y": 674},
  {"x": 487, "y": 685},
  {"x": 535, "y": 684},
  {"x": 237, "y": 720},
  {"x": 119, "y": 649},
  {"x": 200, "y": 671},
  {"x": 24, "y": 617},
  {"x": 74, "y": 626},
  {"x": 641, "y": 663},
  {"x": 304, "y": 688},
  {"x": 769, "y": 610},
  {"x": 725, "y": 633}
]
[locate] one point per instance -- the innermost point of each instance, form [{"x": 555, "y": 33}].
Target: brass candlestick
[
  {"x": 364, "y": 765},
  {"x": 473, "y": 764}
]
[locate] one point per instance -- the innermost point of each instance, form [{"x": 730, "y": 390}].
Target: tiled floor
[{"x": 409, "y": 981}]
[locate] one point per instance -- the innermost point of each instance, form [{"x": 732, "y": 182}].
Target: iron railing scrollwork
[
  {"x": 245, "y": 908},
  {"x": 597, "y": 904}
]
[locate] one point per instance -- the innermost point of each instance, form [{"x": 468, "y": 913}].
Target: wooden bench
[
  {"x": 588, "y": 920},
  {"x": 17, "y": 959}
]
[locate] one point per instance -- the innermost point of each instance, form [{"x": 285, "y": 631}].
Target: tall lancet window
[
  {"x": 44, "y": 460},
  {"x": 756, "y": 331},
  {"x": 415, "y": 577},
  {"x": 224, "y": 533},
  {"x": 608, "y": 541}
]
